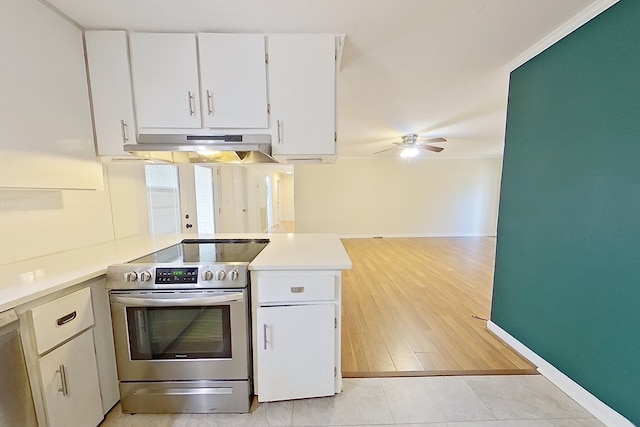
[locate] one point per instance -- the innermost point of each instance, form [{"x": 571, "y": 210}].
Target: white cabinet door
[
  {"x": 103, "y": 342},
  {"x": 233, "y": 80},
  {"x": 110, "y": 80},
  {"x": 295, "y": 351},
  {"x": 45, "y": 122},
  {"x": 302, "y": 82},
  {"x": 70, "y": 384},
  {"x": 165, "y": 80}
]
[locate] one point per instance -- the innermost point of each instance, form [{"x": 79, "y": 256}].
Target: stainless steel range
[{"x": 181, "y": 328}]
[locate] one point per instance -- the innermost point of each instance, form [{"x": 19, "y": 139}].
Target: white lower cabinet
[
  {"x": 296, "y": 356},
  {"x": 296, "y": 334},
  {"x": 70, "y": 389},
  {"x": 68, "y": 347}
]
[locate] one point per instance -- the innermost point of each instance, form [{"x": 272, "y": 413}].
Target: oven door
[{"x": 180, "y": 335}]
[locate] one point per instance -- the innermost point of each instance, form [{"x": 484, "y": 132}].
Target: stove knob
[
  {"x": 145, "y": 276},
  {"x": 220, "y": 275},
  {"x": 131, "y": 276},
  {"x": 233, "y": 274},
  {"x": 207, "y": 275}
]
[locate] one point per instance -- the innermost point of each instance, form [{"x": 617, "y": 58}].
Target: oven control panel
[
  {"x": 198, "y": 276},
  {"x": 172, "y": 275}
]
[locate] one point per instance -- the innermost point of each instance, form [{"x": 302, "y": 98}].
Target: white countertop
[
  {"x": 30, "y": 279},
  {"x": 293, "y": 251}
]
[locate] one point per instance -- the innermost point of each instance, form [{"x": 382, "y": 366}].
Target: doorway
[{"x": 182, "y": 198}]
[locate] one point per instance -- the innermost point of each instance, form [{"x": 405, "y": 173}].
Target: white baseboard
[{"x": 587, "y": 400}]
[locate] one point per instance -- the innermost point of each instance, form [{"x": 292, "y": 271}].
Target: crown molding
[{"x": 559, "y": 33}]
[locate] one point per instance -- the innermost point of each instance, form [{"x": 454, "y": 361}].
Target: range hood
[{"x": 179, "y": 148}]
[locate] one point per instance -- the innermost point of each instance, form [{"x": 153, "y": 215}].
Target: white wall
[
  {"x": 40, "y": 222},
  {"x": 287, "y": 191},
  {"x": 388, "y": 197},
  {"x": 129, "y": 206}
]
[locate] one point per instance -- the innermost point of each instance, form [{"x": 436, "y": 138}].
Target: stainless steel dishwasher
[{"x": 16, "y": 403}]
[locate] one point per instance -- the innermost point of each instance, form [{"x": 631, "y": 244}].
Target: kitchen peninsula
[
  {"x": 295, "y": 279},
  {"x": 27, "y": 280}
]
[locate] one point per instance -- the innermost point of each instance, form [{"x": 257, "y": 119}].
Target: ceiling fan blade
[
  {"x": 431, "y": 148},
  {"x": 382, "y": 151},
  {"x": 431, "y": 140}
]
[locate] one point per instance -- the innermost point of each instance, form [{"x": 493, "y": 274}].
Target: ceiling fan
[{"x": 411, "y": 145}]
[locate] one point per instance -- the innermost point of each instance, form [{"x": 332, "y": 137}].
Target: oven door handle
[{"x": 176, "y": 302}]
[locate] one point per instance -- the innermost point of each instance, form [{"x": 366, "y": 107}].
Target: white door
[
  {"x": 278, "y": 202},
  {"x": 240, "y": 199},
  {"x": 234, "y": 80},
  {"x": 188, "y": 204},
  {"x": 183, "y": 198},
  {"x": 296, "y": 356},
  {"x": 69, "y": 376},
  {"x": 165, "y": 80},
  {"x": 302, "y": 88},
  {"x": 269, "y": 192}
]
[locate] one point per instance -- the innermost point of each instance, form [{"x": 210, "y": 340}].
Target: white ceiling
[{"x": 432, "y": 67}]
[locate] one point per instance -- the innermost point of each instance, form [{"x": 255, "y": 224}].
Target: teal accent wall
[{"x": 567, "y": 275}]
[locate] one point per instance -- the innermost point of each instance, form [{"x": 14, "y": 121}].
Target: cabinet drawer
[
  {"x": 61, "y": 319},
  {"x": 296, "y": 288}
]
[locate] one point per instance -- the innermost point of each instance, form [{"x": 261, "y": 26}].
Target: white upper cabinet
[
  {"x": 233, "y": 79},
  {"x": 165, "y": 80},
  {"x": 45, "y": 115},
  {"x": 302, "y": 89},
  {"x": 110, "y": 81}
]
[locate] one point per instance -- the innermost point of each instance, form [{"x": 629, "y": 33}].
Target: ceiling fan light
[{"x": 409, "y": 152}]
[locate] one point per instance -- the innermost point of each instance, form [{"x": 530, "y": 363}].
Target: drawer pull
[
  {"x": 63, "y": 380},
  {"x": 210, "y": 102},
  {"x": 279, "y": 132},
  {"x": 297, "y": 289},
  {"x": 264, "y": 331},
  {"x": 192, "y": 104},
  {"x": 66, "y": 319}
]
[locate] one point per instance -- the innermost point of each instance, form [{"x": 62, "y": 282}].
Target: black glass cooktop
[{"x": 201, "y": 251}]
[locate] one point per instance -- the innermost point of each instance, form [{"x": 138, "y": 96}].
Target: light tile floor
[{"x": 482, "y": 401}]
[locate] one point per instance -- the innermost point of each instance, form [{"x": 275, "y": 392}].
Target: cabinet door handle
[
  {"x": 279, "y": 132},
  {"x": 63, "y": 380},
  {"x": 210, "y": 102},
  {"x": 66, "y": 319},
  {"x": 192, "y": 104},
  {"x": 125, "y": 131},
  {"x": 264, "y": 331}
]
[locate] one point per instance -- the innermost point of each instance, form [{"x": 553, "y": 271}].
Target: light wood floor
[
  {"x": 283, "y": 227},
  {"x": 408, "y": 305}
]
